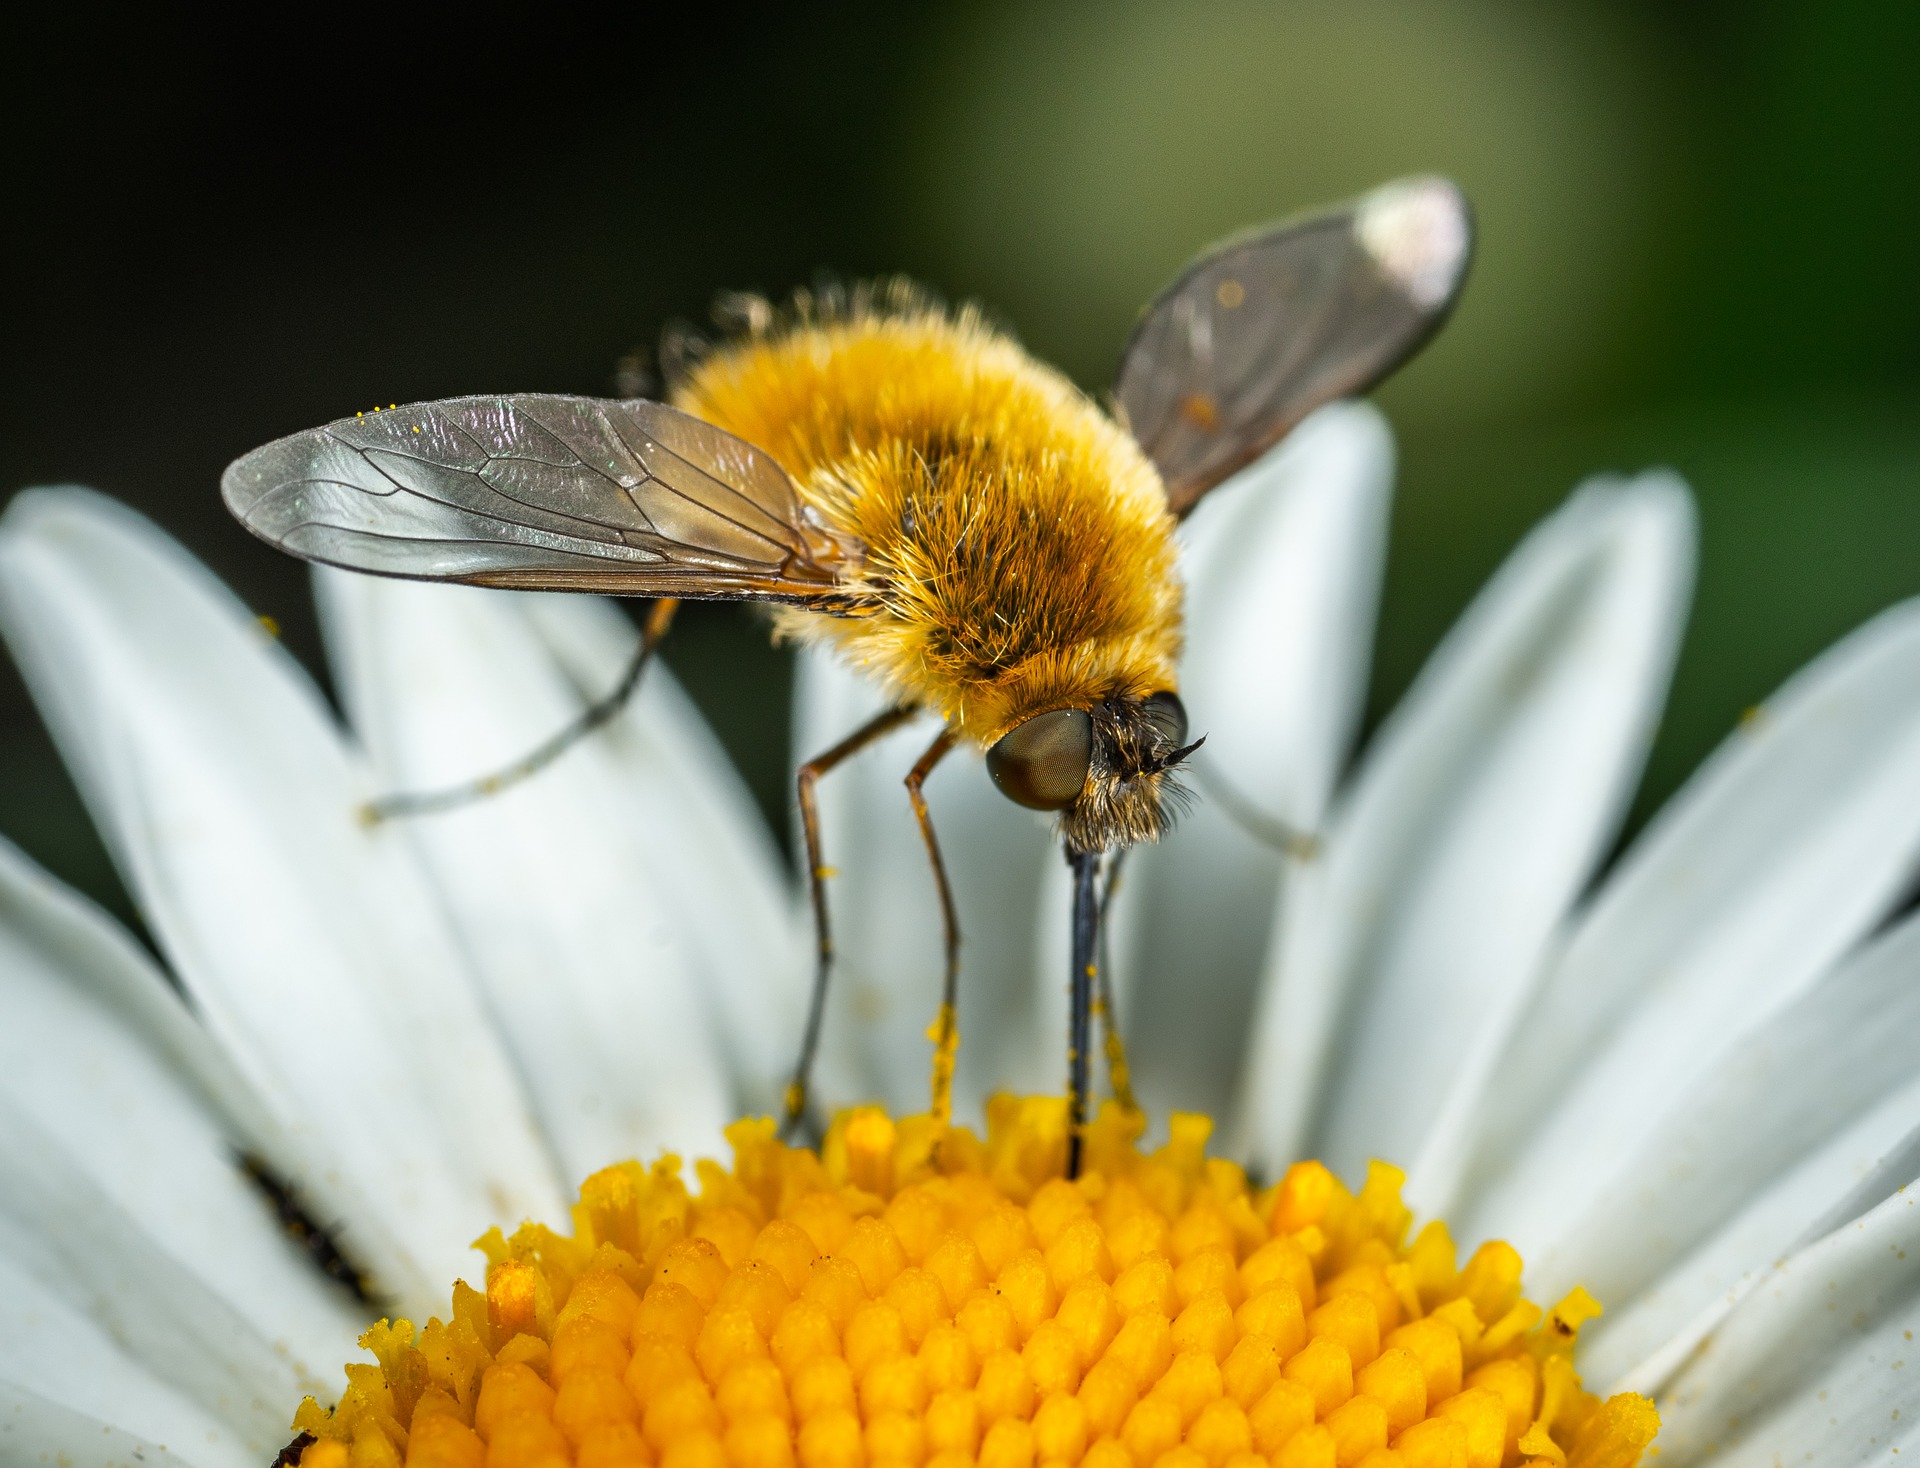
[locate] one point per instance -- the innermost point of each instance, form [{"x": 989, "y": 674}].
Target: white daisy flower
[{"x": 1686, "y": 1086}]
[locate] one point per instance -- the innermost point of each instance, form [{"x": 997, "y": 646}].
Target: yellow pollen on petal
[{"x": 912, "y": 1296}]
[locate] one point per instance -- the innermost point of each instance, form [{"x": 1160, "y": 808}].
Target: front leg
[
  {"x": 945, "y": 1032},
  {"x": 881, "y": 724},
  {"x": 1080, "y": 990}
]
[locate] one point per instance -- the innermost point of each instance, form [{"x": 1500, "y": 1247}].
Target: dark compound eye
[
  {"x": 1042, "y": 763},
  {"x": 1169, "y": 716}
]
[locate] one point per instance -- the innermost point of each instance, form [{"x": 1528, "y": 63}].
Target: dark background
[{"x": 1700, "y": 247}]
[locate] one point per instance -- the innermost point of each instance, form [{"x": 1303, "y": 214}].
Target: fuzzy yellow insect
[{"x": 913, "y": 489}]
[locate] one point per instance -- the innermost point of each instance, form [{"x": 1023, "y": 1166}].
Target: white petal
[
  {"x": 736, "y": 908},
  {"x": 1817, "y": 1364},
  {"x": 1282, "y": 568},
  {"x": 1760, "y": 1147},
  {"x": 51, "y": 1353},
  {"x": 60, "y": 1225},
  {"x": 886, "y": 917},
  {"x": 313, "y": 947},
  {"x": 49, "y": 925},
  {"x": 1641, "y": 1348},
  {"x": 547, "y": 881},
  {"x": 35, "y": 1430},
  {"x": 1789, "y": 845},
  {"x": 80, "y": 1011},
  {"x": 1475, "y": 820}
]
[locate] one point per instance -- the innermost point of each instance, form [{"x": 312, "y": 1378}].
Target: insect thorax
[{"x": 1019, "y": 552}]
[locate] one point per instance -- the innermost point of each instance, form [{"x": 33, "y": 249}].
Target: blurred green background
[{"x": 1700, "y": 246}]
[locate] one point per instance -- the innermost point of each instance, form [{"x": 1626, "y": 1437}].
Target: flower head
[{"x": 908, "y": 1295}]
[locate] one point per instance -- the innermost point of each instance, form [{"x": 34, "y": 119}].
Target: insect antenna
[{"x": 1173, "y": 758}]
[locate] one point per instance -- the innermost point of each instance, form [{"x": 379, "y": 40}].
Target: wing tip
[
  {"x": 241, "y": 488},
  {"x": 1419, "y": 231},
  {"x": 234, "y": 489}
]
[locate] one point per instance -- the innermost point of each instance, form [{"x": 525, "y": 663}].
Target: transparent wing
[
  {"x": 543, "y": 493},
  {"x": 1265, "y": 328}
]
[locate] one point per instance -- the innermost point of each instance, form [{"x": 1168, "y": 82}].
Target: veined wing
[
  {"x": 1265, "y": 328},
  {"x": 542, "y": 492}
]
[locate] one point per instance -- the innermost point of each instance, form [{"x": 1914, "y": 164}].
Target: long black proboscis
[{"x": 1086, "y": 939}]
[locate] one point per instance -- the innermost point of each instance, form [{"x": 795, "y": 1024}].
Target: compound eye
[
  {"x": 1042, "y": 763},
  {"x": 1169, "y": 716}
]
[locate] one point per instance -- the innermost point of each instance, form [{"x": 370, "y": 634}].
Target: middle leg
[
  {"x": 945, "y": 1032},
  {"x": 1085, "y": 968},
  {"x": 1119, "y": 1077},
  {"x": 882, "y": 723}
]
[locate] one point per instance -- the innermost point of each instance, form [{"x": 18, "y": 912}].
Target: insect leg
[
  {"x": 312, "y": 1238},
  {"x": 593, "y": 716},
  {"x": 1239, "y": 808},
  {"x": 1086, "y": 941},
  {"x": 945, "y": 1032},
  {"x": 882, "y": 723},
  {"x": 1118, "y": 1075}
]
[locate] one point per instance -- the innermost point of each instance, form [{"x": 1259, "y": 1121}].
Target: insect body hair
[
  {"x": 1019, "y": 553},
  {"x": 1133, "y": 793}
]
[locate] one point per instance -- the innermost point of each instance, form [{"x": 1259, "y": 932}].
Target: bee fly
[{"x": 909, "y": 488}]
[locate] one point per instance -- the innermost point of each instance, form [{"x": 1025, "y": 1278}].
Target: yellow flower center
[{"x": 892, "y": 1302}]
